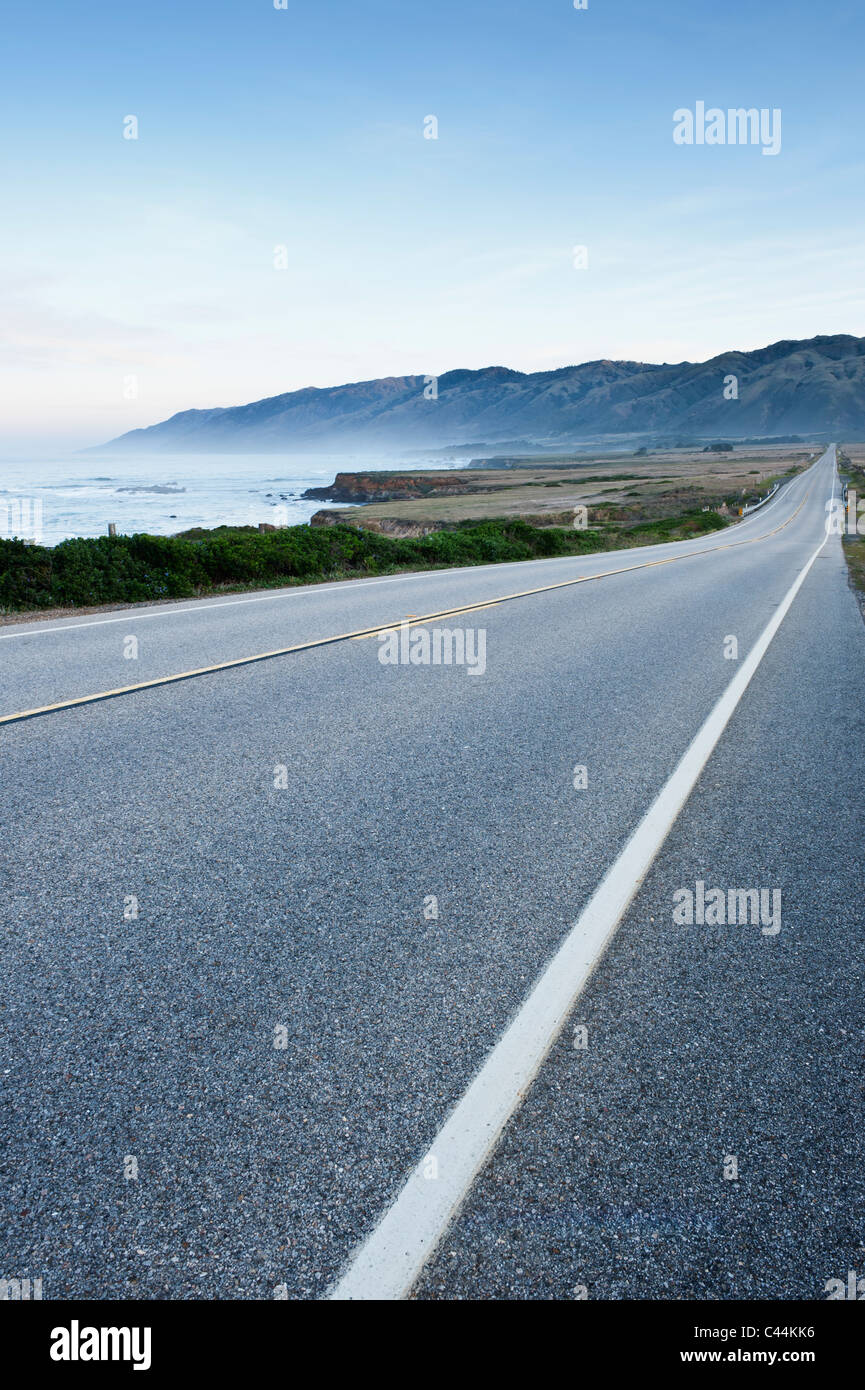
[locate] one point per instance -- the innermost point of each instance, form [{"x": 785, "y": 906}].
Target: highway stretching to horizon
[{"x": 332, "y": 977}]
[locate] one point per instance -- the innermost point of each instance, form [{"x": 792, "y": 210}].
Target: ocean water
[{"x": 49, "y": 501}]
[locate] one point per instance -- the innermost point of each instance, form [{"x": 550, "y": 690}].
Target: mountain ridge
[{"x": 794, "y": 385}]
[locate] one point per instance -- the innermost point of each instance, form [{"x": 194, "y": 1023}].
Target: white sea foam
[{"x": 81, "y": 496}]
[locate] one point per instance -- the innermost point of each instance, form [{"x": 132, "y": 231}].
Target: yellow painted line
[
  {"x": 581, "y": 579},
  {"x": 362, "y": 633},
  {"x": 181, "y": 676}
]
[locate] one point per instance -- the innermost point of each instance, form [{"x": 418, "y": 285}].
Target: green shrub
[{"x": 131, "y": 569}]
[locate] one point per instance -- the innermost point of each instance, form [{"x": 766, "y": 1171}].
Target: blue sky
[{"x": 153, "y": 259}]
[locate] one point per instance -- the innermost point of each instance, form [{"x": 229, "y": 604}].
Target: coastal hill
[{"x": 809, "y": 386}]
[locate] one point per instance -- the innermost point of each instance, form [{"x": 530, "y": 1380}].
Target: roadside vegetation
[
  {"x": 144, "y": 568},
  {"x": 544, "y": 491},
  {"x": 851, "y": 471}
]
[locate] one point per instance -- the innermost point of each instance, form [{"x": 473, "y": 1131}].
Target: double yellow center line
[{"x": 379, "y": 628}]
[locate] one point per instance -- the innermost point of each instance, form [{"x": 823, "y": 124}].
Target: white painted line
[
  {"x": 390, "y": 1260},
  {"x": 205, "y": 605}
]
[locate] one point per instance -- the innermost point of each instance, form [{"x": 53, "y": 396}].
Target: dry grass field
[{"x": 623, "y": 487}]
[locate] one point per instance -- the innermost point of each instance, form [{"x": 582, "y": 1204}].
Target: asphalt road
[{"x": 276, "y": 1038}]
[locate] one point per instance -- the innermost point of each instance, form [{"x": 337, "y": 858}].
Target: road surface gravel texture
[{"x": 275, "y": 1039}]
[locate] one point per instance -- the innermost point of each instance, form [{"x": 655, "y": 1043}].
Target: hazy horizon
[
  {"x": 281, "y": 219},
  {"x": 45, "y": 449}
]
